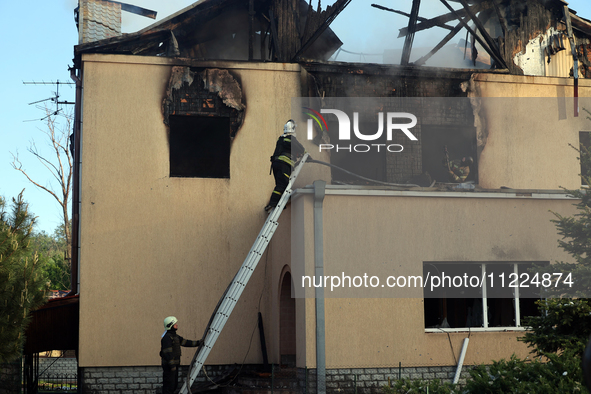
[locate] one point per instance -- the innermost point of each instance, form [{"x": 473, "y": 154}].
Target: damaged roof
[
  {"x": 265, "y": 30},
  {"x": 293, "y": 31},
  {"x": 501, "y": 28}
]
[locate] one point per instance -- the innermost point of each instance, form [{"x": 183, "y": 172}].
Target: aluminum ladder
[{"x": 234, "y": 291}]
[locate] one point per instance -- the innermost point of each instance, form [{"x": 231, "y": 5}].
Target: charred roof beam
[
  {"x": 491, "y": 43},
  {"x": 412, "y": 24},
  {"x": 322, "y": 19},
  {"x": 429, "y": 23},
  {"x": 451, "y": 35},
  {"x": 502, "y": 20},
  {"x": 493, "y": 52},
  {"x": 274, "y": 35}
]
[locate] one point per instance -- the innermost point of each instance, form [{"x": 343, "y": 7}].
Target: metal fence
[
  {"x": 45, "y": 380},
  {"x": 57, "y": 382}
]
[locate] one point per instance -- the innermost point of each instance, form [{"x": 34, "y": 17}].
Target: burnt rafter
[
  {"x": 448, "y": 37},
  {"x": 493, "y": 52},
  {"x": 429, "y": 23},
  {"x": 412, "y": 24},
  {"x": 419, "y": 18},
  {"x": 480, "y": 26},
  {"x": 127, "y": 43},
  {"x": 502, "y": 20},
  {"x": 317, "y": 22},
  {"x": 274, "y": 36}
]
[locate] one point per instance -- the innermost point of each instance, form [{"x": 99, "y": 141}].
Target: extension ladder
[{"x": 232, "y": 294}]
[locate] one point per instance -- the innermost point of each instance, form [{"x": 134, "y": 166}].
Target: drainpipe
[
  {"x": 75, "y": 252},
  {"x": 461, "y": 361},
  {"x": 319, "y": 191},
  {"x": 573, "y": 50}
]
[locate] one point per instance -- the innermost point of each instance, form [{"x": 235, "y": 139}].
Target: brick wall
[
  {"x": 57, "y": 365},
  {"x": 137, "y": 380},
  {"x": 148, "y": 380},
  {"x": 370, "y": 380}
]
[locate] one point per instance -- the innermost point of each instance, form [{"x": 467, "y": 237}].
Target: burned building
[{"x": 174, "y": 127}]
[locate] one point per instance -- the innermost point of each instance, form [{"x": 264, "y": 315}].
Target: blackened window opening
[{"x": 199, "y": 146}]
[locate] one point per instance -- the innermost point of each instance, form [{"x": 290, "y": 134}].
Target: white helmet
[
  {"x": 169, "y": 322},
  {"x": 289, "y": 127}
]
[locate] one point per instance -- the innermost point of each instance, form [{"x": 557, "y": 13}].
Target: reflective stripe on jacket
[{"x": 286, "y": 148}]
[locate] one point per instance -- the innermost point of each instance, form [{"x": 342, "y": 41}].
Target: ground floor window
[{"x": 468, "y": 295}]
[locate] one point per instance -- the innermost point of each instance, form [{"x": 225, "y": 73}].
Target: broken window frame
[{"x": 485, "y": 269}]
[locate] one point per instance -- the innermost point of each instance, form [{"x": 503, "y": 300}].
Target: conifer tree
[{"x": 23, "y": 286}]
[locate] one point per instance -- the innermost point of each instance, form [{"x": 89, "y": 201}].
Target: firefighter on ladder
[{"x": 282, "y": 161}]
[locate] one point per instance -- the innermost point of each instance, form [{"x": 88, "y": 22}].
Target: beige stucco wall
[
  {"x": 393, "y": 234},
  {"x": 153, "y": 246},
  {"x": 525, "y": 126}
]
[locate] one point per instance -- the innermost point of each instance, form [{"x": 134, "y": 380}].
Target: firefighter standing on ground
[
  {"x": 286, "y": 149},
  {"x": 171, "y": 354}
]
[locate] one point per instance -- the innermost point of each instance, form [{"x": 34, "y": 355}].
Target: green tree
[
  {"x": 23, "y": 285},
  {"x": 563, "y": 325},
  {"x": 558, "y": 374},
  {"x": 52, "y": 255}
]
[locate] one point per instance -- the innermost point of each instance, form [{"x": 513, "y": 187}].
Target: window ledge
[{"x": 474, "y": 329}]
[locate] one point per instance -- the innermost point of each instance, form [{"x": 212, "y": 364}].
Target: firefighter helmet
[
  {"x": 289, "y": 127},
  {"x": 169, "y": 322}
]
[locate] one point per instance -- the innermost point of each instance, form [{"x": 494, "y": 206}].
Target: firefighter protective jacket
[
  {"x": 171, "y": 347},
  {"x": 286, "y": 146}
]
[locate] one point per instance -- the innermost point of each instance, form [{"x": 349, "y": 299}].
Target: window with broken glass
[{"x": 461, "y": 296}]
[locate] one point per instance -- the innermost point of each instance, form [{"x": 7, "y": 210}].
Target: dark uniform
[
  {"x": 286, "y": 149},
  {"x": 458, "y": 171},
  {"x": 171, "y": 358}
]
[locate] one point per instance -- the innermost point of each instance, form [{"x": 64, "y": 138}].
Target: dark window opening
[
  {"x": 451, "y": 306},
  {"x": 460, "y": 142},
  {"x": 199, "y": 146}
]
